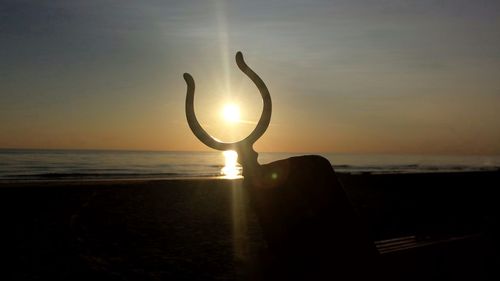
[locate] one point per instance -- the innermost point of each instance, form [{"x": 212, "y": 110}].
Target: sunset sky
[{"x": 345, "y": 76}]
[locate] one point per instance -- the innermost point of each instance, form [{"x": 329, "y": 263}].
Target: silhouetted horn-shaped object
[{"x": 259, "y": 130}]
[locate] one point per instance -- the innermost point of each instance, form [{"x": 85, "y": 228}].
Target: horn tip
[
  {"x": 240, "y": 61},
  {"x": 187, "y": 77}
]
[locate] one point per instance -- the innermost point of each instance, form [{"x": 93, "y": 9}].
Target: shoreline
[
  {"x": 73, "y": 181},
  {"x": 112, "y": 181}
]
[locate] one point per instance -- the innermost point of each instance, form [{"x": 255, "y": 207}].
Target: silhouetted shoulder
[
  {"x": 315, "y": 160},
  {"x": 312, "y": 165}
]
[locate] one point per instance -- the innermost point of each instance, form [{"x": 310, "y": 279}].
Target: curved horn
[
  {"x": 259, "y": 130},
  {"x": 265, "y": 117},
  {"x": 195, "y": 126}
]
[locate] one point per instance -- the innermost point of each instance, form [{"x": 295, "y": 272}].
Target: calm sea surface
[{"x": 19, "y": 165}]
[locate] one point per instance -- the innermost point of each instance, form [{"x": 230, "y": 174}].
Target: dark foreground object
[
  {"x": 309, "y": 223},
  {"x": 205, "y": 229}
]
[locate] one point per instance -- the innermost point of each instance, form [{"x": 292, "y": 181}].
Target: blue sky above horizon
[{"x": 345, "y": 76}]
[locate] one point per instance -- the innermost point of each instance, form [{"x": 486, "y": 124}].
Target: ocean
[{"x": 54, "y": 165}]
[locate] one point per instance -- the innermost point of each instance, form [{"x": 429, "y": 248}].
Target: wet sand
[{"x": 206, "y": 230}]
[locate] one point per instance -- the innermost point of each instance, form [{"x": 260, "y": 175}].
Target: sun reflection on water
[{"x": 231, "y": 169}]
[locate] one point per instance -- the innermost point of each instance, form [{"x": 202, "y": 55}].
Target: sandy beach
[{"x": 205, "y": 229}]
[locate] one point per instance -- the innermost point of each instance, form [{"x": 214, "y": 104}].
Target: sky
[{"x": 404, "y": 77}]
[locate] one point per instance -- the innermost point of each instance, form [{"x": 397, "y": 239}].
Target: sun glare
[
  {"x": 231, "y": 113},
  {"x": 231, "y": 169}
]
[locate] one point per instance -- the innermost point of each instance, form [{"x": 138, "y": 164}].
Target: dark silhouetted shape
[{"x": 311, "y": 228}]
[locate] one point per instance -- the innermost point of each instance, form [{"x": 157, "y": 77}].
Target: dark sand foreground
[{"x": 206, "y": 230}]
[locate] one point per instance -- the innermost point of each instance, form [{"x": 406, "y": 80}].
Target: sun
[{"x": 231, "y": 113}]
